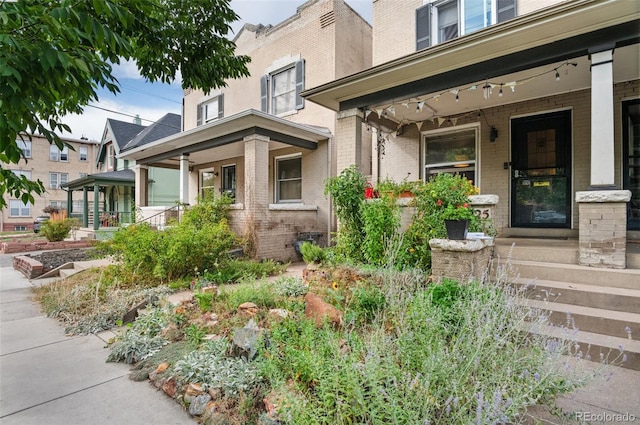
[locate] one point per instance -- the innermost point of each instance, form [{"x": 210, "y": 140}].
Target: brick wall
[
  {"x": 463, "y": 261},
  {"x": 28, "y": 266},
  {"x": 603, "y": 234}
]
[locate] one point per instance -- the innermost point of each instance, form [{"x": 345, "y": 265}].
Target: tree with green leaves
[{"x": 54, "y": 55}]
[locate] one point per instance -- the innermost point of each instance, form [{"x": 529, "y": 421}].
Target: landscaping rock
[
  {"x": 130, "y": 316},
  {"x": 172, "y": 333},
  {"x": 209, "y": 411},
  {"x": 245, "y": 340},
  {"x": 216, "y": 419},
  {"x": 194, "y": 389},
  {"x": 215, "y": 393},
  {"x": 162, "y": 367},
  {"x": 199, "y": 404},
  {"x": 316, "y": 308},
  {"x": 280, "y": 312},
  {"x": 170, "y": 387},
  {"x": 248, "y": 309}
]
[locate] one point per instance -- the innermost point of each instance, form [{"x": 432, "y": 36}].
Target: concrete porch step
[
  {"x": 572, "y": 273},
  {"x": 577, "y": 294},
  {"x": 595, "y": 346},
  {"x": 562, "y": 252},
  {"x": 620, "y": 324}
]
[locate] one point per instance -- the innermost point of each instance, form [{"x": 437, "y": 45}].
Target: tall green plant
[
  {"x": 347, "y": 191},
  {"x": 380, "y": 219}
]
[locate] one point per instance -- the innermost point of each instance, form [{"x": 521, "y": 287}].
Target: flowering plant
[{"x": 458, "y": 212}]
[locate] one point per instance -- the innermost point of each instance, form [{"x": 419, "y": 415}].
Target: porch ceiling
[
  {"x": 526, "y": 50},
  {"x": 223, "y": 135}
]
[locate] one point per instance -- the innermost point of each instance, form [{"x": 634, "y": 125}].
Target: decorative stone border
[{"x": 13, "y": 247}]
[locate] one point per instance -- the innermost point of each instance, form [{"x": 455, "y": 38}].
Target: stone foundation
[
  {"x": 464, "y": 260},
  {"x": 603, "y": 228}
]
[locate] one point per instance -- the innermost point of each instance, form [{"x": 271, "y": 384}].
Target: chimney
[{"x": 137, "y": 120}]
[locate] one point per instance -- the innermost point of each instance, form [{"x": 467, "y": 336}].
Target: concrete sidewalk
[{"x": 49, "y": 378}]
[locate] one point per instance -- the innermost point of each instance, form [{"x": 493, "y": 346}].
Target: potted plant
[
  {"x": 457, "y": 219},
  {"x": 450, "y": 193}
]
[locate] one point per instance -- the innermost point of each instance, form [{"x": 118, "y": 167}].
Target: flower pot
[{"x": 457, "y": 229}]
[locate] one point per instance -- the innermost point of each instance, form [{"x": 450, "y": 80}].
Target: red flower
[
  {"x": 465, "y": 205},
  {"x": 439, "y": 202}
]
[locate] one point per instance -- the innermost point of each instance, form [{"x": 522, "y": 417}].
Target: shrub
[
  {"x": 56, "y": 230},
  {"x": 289, "y": 286},
  {"x": 208, "y": 209},
  {"x": 380, "y": 219},
  {"x": 142, "y": 340},
  {"x": 312, "y": 253},
  {"x": 347, "y": 191}
]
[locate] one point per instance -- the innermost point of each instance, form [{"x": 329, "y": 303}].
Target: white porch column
[
  {"x": 141, "y": 184},
  {"x": 602, "y": 157},
  {"x": 184, "y": 179}
]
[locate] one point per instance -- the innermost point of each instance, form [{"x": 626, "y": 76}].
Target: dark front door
[
  {"x": 541, "y": 170},
  {"x": 631, "y": 151}
]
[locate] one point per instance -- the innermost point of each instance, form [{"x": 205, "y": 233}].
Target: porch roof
[
  {"x": 551, "y": 35},
  {"x": 110, "y": 178},
  {"x": 225, "y": 131}
]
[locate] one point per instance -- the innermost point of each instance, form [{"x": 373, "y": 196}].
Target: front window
[
  {"x": 57, "y": 179},
  {"x": 210, "y": 110},
  {"x": 111, "y": 156},
  {"x": 27, "y": 174},
  {"x": 451, "y": 152},
  {"x": 284, "y": 91},
  {"x": 207, "y": 179},
  {"x": 25, "y": 147},
  {"x": 289, "y": 179},
  {"x": 84, "y": 153},
  {"x": 229, "y": 180},
  {"x": 19, "y": 209},
  {"x": 443, "y": 20}
]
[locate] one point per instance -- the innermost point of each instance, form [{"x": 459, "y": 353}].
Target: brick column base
[
  {"x": 603, "y": 228},
  {"x": 463, "y": 261}
]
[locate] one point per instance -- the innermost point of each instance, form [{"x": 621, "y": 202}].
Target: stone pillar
[
  {"x": 141, "y": 194},
  {"x": 349, "y": 139},
  {"x": 602, "y": 152},
  {"x": 463, "y": 261},
  {"x": 184, "y": 179},
  {"x": 603, "y": 228},
  {"x": 484, "y": 206},
  {"x": 256, "y": 186}
]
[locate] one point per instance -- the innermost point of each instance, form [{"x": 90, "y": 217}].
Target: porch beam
[
  {"x": 96, "y": 207},
  {"x": 229, "y": 138},
  {"x": 558, "y": 51},
  {"x": 85, "y": 207}
]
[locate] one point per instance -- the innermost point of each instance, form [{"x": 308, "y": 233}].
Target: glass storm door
[
  {"x": 541, "y": 170},
  {"x": 631, "y": 152}
]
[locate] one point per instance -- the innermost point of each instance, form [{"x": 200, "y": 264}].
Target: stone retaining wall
[
  {"x": 13, "y": 247},
  {"x": 460, "y": 260},
  {"x": 28, "y": 266}
]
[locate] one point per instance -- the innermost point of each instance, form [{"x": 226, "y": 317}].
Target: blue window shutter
[
  {"x": 299, "y": 84},
  {"x": 264, "y": 93},
  {"x": 221, "y": 106},
  {"x": 199, "y": 115},
  {"x": 423, "y": 27}
]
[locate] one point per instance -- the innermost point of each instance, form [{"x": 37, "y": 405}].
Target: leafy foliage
[
  {"x": 56, "y": 230},
  {"x": 55, "y": 55},
  {"x": 380, "y": 219},
  {"x": 347, "y": 191},
  {"x": 312, "y": 253}
]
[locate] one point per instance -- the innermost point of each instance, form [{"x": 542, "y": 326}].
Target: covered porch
[
  {"x": 111, "y": 209},
  {"x": 273, "y": 169},
  {"x": 548, "y": 123}
]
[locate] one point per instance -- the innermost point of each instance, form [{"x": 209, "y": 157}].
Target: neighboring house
[
  {"x": 115, "y": 178},
  {"x": 53, "y": 167},
  {"x": 537, "y": 102},
  {"x": 258, "y": 140}
]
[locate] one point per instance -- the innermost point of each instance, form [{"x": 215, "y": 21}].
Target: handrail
[{"x": 160, "y": 219}]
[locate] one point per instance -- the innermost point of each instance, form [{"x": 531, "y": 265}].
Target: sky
[{"x": 151, "y": 101}]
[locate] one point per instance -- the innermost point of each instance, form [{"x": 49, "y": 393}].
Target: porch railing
[{"x": 164, "y": 217}]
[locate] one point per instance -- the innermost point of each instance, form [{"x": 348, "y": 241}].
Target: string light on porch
[{"x": 487, "y": 87}]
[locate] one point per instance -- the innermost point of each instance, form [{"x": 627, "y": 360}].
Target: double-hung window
[
  {"x": 442, "y": 20},
  {"x": 207, "y": 180},
  {"x": 210, "y": 110},
  {"x": 288, "y": 179},
  {"x": 56, "y": 154},
  {"x": 27, "y": 174},
  {"x": 25, "y": 147},
  {"x": 18, "y": 208},
  {"x": 280, "y": 90},
  {"x": 83, "y": 153},
  {"x": 57, "y": 179}
]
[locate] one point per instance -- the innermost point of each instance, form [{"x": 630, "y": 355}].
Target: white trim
[
  {"x": 463, "y": 127},
  {"x": 288, "y": 156},
  {"x": 282, "y": 63},
  {"x": 292, "y": 207},
  {"x": 276, "y": 195}
]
